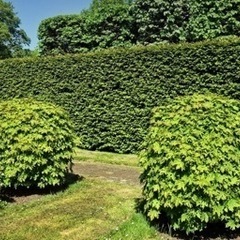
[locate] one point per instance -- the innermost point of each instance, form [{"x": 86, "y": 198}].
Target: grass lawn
[
  {"x": 105, "y": 157},
  {"x": 88, "y": 209},
  {"x": 91, "y": 209}
]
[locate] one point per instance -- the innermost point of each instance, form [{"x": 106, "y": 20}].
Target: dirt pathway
[
  {"x": 118, "y": 173},
  {"x": 110, "y": 172}
]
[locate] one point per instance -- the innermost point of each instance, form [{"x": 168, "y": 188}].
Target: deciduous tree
[
  {"x": 12, "y": 37},
  {"x": 107, "y": 23},
  {"x": 184, "y": 20}
]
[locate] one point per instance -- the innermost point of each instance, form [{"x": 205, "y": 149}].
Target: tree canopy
[
  {"x": 184, "y": 20},
  {"x": 12, "y": 37},
  {"x": 114, "y": 23},
  {"x": 107, "y": 23}
]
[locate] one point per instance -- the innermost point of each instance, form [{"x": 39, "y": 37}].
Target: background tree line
[
  {"x": 114, "y": 23},
  {"x": 122, "y": 23}
]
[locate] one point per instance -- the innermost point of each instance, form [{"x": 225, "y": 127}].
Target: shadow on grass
[
  {"x": 12, "y": 195},
  {"x": 214, "y": 231}
]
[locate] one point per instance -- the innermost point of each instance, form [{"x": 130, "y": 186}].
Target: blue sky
[{"x": 32, "y": 12}]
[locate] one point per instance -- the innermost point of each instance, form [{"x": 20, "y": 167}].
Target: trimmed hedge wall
[{"x": 110, "y": 94}]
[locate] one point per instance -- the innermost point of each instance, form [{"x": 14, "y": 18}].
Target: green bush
[
  {"x": 190, "y": 161},
  {"x": 110, "y": 94},
  {"x": 36, "y": 144}
]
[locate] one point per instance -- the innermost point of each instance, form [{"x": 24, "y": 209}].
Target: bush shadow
[{"x": 10, "y": 195}]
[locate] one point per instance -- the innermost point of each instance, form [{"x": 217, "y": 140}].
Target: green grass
[
  {"x": 105, "y": 157},
  {"x": 86, "y": 210},
  {"x": 134, "y": 228},
  {"x": 90, "y": 209}
]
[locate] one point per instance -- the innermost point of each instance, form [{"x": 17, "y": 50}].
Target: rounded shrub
[
  {"x": 36, "y": 144},
  {"x": 190, "y": 160}
]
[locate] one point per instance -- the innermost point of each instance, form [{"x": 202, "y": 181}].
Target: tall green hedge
[{"x": 110, "y": 94}]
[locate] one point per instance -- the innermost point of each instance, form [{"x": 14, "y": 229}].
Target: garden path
[
  {"x": 118, "y": 173},
  {"x": 110, "y": 172}
]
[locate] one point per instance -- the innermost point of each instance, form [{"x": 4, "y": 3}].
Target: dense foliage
[
  {"x": 97, "y": 4},
  {"x": 106, "y": 24},
  {"x": 12, "y": 37},
  {"x": 159, "y": 21},
  {"x": 185, "y": 20},
  {"x": 190, "y": 161},
  {"x": 36, "y": 144},
  {"x": 110, "y": 94},
  {"x": 211, "y": 19}
]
